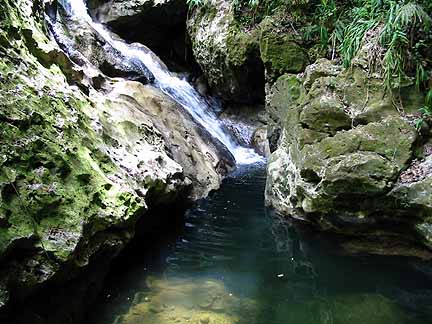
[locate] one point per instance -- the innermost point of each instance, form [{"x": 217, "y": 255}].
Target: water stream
[
  {"x": 178, "y": 89},
  {"x": 234, "y": 262}
]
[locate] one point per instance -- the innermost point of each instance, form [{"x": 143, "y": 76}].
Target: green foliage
[
  {"x": 395, "y": 29},
  {"x": 195, "y": 3},
  {"x": 249, "y": 12},
  {"x": 398, "y": 35},
  {"x": 426, "y": 110}
]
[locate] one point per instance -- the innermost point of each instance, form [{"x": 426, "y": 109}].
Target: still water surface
[{"x": 235, "y": 262}]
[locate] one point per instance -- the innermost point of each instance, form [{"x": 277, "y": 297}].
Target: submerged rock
[
  {"x": 199, "y": 301},
  {"x": 342, "y": 150}
]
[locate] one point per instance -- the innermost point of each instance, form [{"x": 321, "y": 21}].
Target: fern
[
  {"x": 411, "y": 14},
  {"x": 195, "y": 3},
  {"x": 353, "y": 38}
]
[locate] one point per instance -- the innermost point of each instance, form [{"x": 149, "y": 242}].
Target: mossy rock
[
  {"x": 345, "y": 155},
  {"x": 282, "y": 54},
  {"x": 227, "y": 54},
  {"x": 63, "y": 197}
]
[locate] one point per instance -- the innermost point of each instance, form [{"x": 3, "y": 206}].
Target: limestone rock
[
  {"x": 80, "y": 163},
  {"x": 281, "y": 52},
  {"x": 144, "y": 114},
  {"x": 228, "y": 56},
  {"x": 341, "y": 157}
]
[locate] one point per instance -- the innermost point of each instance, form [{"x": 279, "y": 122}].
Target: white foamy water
[{"x": 178, "y": 89}]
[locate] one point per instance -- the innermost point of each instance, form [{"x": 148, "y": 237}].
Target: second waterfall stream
[{"x": 178, "y": 89}]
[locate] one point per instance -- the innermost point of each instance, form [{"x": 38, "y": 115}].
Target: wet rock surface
[
  {"x": 248, "y": 125},
  {"x": 139, "y": 111},
  {"x": 160, "y": 25}
]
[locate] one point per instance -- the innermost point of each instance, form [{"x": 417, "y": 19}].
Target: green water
[{"x": 232, "y": 261}]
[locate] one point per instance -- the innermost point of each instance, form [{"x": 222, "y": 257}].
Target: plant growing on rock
[{"x": 397, "y": 33}]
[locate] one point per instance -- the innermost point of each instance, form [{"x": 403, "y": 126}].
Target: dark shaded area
[
  {"x": 154, "y": 240},
  {"x": 67, "y": 301},
  {"x": 251, "y": 79},
  {"x": 162, "y": 28}
]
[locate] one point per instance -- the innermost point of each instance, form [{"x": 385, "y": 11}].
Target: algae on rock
[
  {"x": 78, "y": 170},
  {"x": 342, "y": 150},
  {"x": 228, "y": 56}
]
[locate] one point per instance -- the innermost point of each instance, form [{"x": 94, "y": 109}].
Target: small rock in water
[{"x": 205, "y": 319}]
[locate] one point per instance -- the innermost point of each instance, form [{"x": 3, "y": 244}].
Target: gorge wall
[{"x": 83, "y": 155}]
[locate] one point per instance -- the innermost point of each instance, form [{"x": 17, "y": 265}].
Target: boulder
[
  {"x": 282, "y": 51},
  {"x": 139, "y": 110},
  {"x": 343, "y": 149}
]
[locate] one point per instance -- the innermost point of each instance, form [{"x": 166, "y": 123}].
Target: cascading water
[{"x": 178, "y": 89}]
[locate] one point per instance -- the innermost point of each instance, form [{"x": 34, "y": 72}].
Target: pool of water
[{"x": 232, "y": 261}]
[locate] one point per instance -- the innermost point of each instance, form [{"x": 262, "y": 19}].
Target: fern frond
[{"x": 411, "y": 14}]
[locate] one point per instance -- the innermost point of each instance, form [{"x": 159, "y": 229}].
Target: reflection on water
[{"x": 234, "y": 262}]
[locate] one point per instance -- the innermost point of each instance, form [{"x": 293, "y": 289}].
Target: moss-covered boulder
[
  {"x": 343, "y": 149},
  {"x": 239, "y": 52},
  {"x": 62, "y": 192},
  {"x": 282, "y": 51}
]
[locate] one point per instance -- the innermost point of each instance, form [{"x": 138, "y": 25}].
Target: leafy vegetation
[
  {"x": 426, "y": 110},
  {"x": 250, "y": 12},
  {"x": 195, "y": 3},
  {"x": 398, "y": 33}
]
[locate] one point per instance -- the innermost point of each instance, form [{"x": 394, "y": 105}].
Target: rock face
[
  {"x": 248, "y": 125},
  {"x": 228, "y": 56},
  {"x": 282, "y": 50},
  {"x": 139, "y": 110},
  {"x": 159, "y": 24},
  {"x": 88, "y": 49},
  {"x": 238, "y": 59},
  {"x": 77, "y": 170},
  {"x": 342, "y": 159}
]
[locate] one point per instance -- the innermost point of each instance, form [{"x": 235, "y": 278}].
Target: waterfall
[{"x": 178, "y": 89}]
